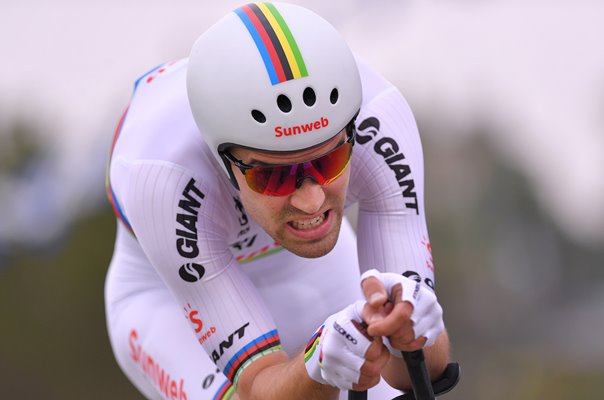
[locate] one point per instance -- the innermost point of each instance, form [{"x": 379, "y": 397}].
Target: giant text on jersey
[
  {"x": 389, "y": 149},
  {"x": 186, "y": 242}
]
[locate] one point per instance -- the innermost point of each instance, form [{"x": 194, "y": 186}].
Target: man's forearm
[
  {"x": 276, "y": 377},
  {"x": 437, "y": 358}
]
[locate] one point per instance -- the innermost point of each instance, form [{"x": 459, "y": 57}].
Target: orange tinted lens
[
  {"x": 281, "y": 180},
  {"x": 327, "y": 168},
  {"x": 278, "y": 180}
]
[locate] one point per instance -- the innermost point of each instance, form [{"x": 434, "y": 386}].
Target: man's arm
[
  {"x": 437, "y": 358},
  {"x": 275, "y": 376}
]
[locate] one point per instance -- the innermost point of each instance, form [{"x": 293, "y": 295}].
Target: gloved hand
[
  {"x": 415, "y": 313},
  {"x": 339, "y": 354}
]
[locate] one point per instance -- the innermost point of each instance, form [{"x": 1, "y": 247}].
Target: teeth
[{"x": 309, "y": 223}]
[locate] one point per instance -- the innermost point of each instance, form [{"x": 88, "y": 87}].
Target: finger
[
  {"x": 376, "y": 296},
  {"x": 387, "y": 309},
  {"x": 361, "y": 327},
  {"x": 379, "y": 356},
  {"x": 397, "y": 293},
  {"x": 371, "y": 371},
  {"x": 397, "y": 321},
  {"x": 403, "y": 338},
  {"x": 375, "y": 350},
  {"x": 416, "y": 344},
  {"x": 366, "y": 383},
  {"x": 374, "y": 291},
  {"x": 373, "y": 314}
]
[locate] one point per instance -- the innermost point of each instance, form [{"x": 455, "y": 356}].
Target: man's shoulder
[
  {"x": 159, "y": 98},
  {"x": 158, "y": 125},
  {"x": 163, "y": 76},
  {"x": 372, "y": 81}
]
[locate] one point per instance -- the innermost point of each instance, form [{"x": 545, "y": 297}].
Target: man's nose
[{"x": 309, "y": 197}]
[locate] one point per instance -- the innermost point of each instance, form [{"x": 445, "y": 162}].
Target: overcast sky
[{"x": 536, "y": 68}]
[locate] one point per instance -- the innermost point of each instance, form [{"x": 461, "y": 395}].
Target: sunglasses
[{"x": 284, "y": 179}]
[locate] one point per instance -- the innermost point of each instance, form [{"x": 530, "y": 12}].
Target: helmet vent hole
[
  {"x": 258, "y": 116},
  {"x": 333, "y": 97},
  {"x": 284, "y": 103},
  {"x": 309, "y": 97}
]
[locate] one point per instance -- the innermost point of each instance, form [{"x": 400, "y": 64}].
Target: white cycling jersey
[{"x": 196, "y": 290}]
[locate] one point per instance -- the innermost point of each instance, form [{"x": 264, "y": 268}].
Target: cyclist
[{"x": 235, "y": 273}]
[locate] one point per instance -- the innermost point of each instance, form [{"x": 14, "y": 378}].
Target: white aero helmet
[{"x": 271, "y": 76}]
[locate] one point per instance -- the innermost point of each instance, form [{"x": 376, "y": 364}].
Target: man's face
[{"x": 307, "y": 221}]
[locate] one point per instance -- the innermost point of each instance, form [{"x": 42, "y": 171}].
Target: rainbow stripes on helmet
[{"x": 274, "y": 40}]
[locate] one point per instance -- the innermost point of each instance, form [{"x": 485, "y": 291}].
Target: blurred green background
[{"x": 517, "y": 230}]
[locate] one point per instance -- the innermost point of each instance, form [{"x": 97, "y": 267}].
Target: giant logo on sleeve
[
  {"x": 226, "y": 344},
  {"x": 191, "y": 272},
  {"x": 389, "y": 149},
  {"x": 186, "y": 218}
]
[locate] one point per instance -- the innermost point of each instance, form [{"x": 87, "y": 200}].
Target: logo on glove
[{"x": 343, "y": 332}]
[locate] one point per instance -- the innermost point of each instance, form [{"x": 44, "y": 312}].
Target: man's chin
[
  {"x": 310, "y": 251},
  {"x": 313, "y": 249}
]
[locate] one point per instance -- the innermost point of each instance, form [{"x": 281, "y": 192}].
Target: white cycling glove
[
  {"x": 336, "y": 352},
  {"x": 427, "y": 315}
]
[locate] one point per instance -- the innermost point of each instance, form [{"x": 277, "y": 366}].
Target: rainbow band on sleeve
[
  {"x": 274, "y": 40},
  {"x": 264, "y": 344},
  {"x": 225, "y": 391},
  {"x": 312, "y": 344}
]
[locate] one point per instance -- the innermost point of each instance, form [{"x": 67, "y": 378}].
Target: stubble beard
[{"x": 312, "y": 248}]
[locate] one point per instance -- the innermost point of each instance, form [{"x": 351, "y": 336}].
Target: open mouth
[{"x": 308, "y": 224}]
